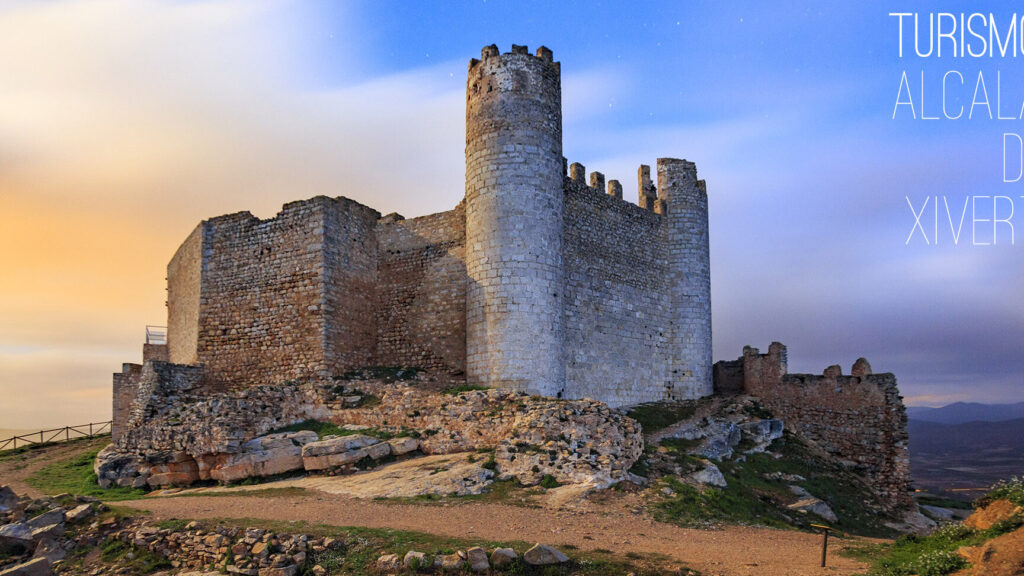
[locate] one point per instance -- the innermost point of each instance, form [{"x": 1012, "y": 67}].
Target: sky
[{"x": 123, "y": 123}]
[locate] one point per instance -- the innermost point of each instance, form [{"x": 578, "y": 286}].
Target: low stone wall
[
  {"x": 179, "y": 433},
  {"x": 860, "y": 419},
  {"x": 250, "y": 552}
]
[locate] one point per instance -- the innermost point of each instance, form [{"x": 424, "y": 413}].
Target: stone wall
[
  {"x": 350, "y": 284},
  {"x": 184, "y": 280},
  {"x": 126, "y": 388},
  {"x": 421, "y": 304},
  {"x": 262, "y": 287},
  {"x": 616, "y": 312},
  {"x": 860, "y": 419}
]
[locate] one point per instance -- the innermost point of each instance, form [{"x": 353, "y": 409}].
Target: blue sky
[{"x": 122, "y": 124}]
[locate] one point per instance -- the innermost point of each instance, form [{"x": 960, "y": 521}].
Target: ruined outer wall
[
  {"x": 514, "y": 204},
  {"x": 260, "y": 313},
  {"x": 184, "y": 279},
  {"x": 350, "y": 284},
  {"x": 616, "y": 312},
  {"x": 421, "y": 305},
  {"x": 860, "y": 418},
  {"x": 126, "y": 387}
]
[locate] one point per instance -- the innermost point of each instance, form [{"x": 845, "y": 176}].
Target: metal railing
[
  {"x": 156, "y": 334},
  {"x": 57, "y": 435}
]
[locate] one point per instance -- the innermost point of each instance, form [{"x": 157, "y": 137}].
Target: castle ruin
[{"x": 538, "y": 281}]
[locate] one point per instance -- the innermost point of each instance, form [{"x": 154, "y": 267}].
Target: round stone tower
[{"x": 514, "y": 204}]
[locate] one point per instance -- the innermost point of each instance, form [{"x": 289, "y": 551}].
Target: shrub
[
  {"x": 939, "y": 562},
  {"x": 549, "y": 481},
  {"x": 1012, "y": 490}
]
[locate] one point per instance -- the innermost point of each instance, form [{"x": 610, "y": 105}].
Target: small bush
[
  {"x": 656, "y": 416},
  {"x": 939, "y": 563},
  {"x": 549, "y": 481},
  {"x": 1012, "y": 490}
]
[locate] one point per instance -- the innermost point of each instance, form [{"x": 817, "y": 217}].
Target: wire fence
[{"x": 56, "y": 435}]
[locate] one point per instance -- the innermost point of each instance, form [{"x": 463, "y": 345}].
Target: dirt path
[{"x": 736, "y": 551}]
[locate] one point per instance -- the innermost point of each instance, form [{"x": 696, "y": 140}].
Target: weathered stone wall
[
  {"x": 421, "y": 306},
  {"x": 350, "y": 285},
  {"x": 616, "y": 311},
  {"x": 860, "y": 419},
  {"x": 126, "y": 388},
  {"x": 263, "y": 283},
  {"x": 514, "y": 202},
  {"x": 184, "y": 281}
]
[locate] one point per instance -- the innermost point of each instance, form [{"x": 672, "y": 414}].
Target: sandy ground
[
  {"x": 735, "y": 551},
  {"x": 607, "y": 522}
]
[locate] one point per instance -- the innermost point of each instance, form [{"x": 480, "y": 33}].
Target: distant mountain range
[
  {"x": 965, "y": 445},
  {"x": 962, "y": 412}
]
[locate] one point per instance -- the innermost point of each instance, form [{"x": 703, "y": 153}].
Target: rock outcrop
[{"x": 179, "y": 435}]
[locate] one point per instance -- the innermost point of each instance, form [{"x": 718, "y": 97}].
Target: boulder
[
  {"x": 541, "y": 555},
  {"x": 114, "y": 466},
  {"x": 52, "y": 531},
  {"x": 55, "y": 516},
  {"x": 450, "y": 562},
  {"x": 79, "y": 513},
  {"x": 170, "y": 469},
  {"x": 389, "y": 562},
  {"x": 414, "y": 560},
  {"x": 264, "y": 456},
  {"x": 503, "y": 556},
  {"x": 50, "y": 549},
  {"x": 8, "y": 499},
  {"x": 34, "y": 567},
  {"x": 403, "y": 445},
  {"x": 477, "y": 558},
  {"x": 763, "y": 432},
  {"x": 709, "y": 475},
  {"x": 15, "y": 538},
  {"x": 814, "y": 506},
  {"x": 338, "y": 451}
]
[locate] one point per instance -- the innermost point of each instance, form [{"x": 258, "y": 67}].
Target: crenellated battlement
[
  {"x": 543, "y": 54},
  {"x": 676, "y": 180}
]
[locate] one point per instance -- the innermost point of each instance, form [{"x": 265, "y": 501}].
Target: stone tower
[
  {"x": 684, "y": 200},
  {"x": 514, "y": 218}
]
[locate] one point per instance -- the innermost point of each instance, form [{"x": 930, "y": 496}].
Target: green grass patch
[
  {"x": 752, "y": 499},
  {"x": 74, "y": 475},
  {"x": 656, "y": 416},
  {"x": 136, "y": 560},
  {"x": 456, "y": 390},
  {"x": 943, "y": 502}
]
